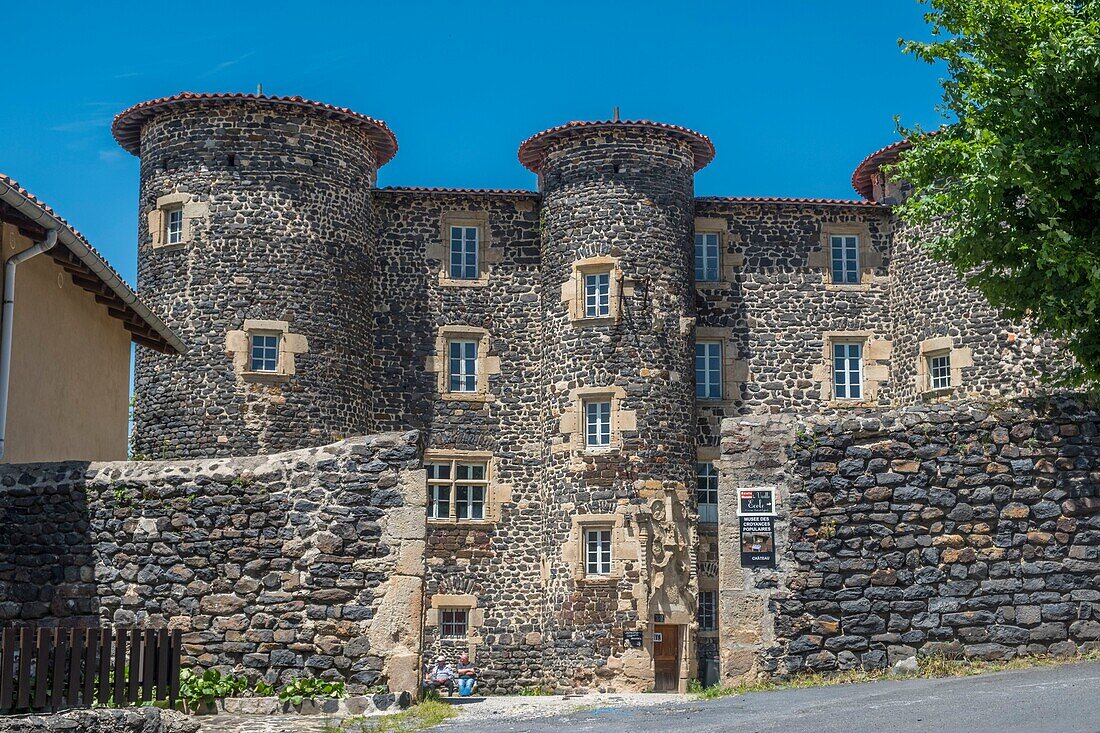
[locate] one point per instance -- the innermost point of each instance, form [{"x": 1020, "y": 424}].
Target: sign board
[
  {"x": 756, "y": 501},
  {"x": 658, "y": 637},
  {"x": 633, "y": 638},
  {"x": 658, "y": 618},
  {"x": 757, "y": 541}
]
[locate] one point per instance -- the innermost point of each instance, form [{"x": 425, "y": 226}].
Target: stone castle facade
[{"x": 569, "y": 354}]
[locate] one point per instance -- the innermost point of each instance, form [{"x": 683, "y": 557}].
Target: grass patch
[
  {"x": 930, "y": 667},
  {"x": 427, "y": 714}
]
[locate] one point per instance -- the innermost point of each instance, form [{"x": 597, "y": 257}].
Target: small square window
[
  {"x": 706, "y": 257},
  {"x": 939, "y": 371},
  {"x": 848, "y": 371},
  {"x": 173, "y": 225},
  {"x": 462, "y": 366},
  {"x": 708, "y": 370},
  {"x": 461, "y": 483},
  {"x": 265, "y": 353},
  {"x": 454, "y": 623},
  {"x": 597, "y": 552},
  {"x": 706, "y": 492},
  {"x": 708, "y": 610},
  {"x": 463, "y": 261},
  {"x": 597, "y": 423},
  {"x": 844, "y": 252},
  {"x": 597, "y": 295}
]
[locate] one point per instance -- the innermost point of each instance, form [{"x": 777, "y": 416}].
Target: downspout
[{"x": 7, "y": 321}]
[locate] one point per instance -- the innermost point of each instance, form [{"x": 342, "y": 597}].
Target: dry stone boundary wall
[{"x": 301, "y": 563}]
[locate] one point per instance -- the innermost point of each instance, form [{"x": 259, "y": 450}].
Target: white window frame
[
  {"x": 269, "y": 347},
  {"x": 454, "y": 623},
  {"x": 458, "y": 490},
  {"x": 597, "y": 294},
  {"x": 173, "y": 225},
  {"x": 844, "y": 259},
  {"x": 597, "y": 422},
  {"x": 939, "y": 375},
  {"x": 706, "y": 492},
  {"x": 597, "y": 552},
  {"x": 708, "y": 610},
  {"x": 847, "y": 381},
  {"x": 709, "y": 386},
  {"x": 708, "y": 266},
  {"x": 467, "y": 247},
  {"x": 462, "y": 368}
]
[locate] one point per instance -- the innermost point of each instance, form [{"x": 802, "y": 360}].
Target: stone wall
[
  {"x": 128, "y": 720},
  {"x": 969, "y": 529},
  {"x": 301, "y": 563}
]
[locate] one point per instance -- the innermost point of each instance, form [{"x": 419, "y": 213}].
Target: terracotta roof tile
[
  {"x": 466, "y": 191},
  {"x": 532, "y": 151},
  {"x": 861, "y": 177},
  {"x": 128, "y": 123},
  {"x": 786, "y": 200}
]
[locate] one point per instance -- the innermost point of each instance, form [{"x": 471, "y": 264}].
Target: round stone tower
[
  {"x": 256, "y": 244},
  {"x": 618, "y": 306}
]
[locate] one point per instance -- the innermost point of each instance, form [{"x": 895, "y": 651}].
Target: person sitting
[
  {"x": 441, "y": 675},
  {"x": 467, "y": 676}
]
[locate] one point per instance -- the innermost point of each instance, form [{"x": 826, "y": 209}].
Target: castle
[{"x": 568, "y": 354}]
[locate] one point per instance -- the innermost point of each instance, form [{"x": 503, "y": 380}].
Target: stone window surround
[
  {"x": 735, "y": 372},
  {"x": 465, "y": 601},
  {"x": 869, "y": 258},
  {"x": 487, "y": 255},
  {"x": 622, "y": 550},
  {"x": 571, "y": 423},
  {"x": 728, "y": 262},
  {"x": 496, "y": 493},
  {"x": 158, "y": 219},
  {"x": 572, "y": 291},
  {"x": 486, "y": 365},
  {"x": 876, "y": 367},
  {"x": 961, "y": 358},
  {"x": 238, "y": 345}
]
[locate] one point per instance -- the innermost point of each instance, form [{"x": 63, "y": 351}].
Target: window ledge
[
  {"x": 602, "y": 451},
  {"x": 601, "y": 321},
  {"x": 848, "y": 287},
  {"x": 599, "y": 579},
  {"x": 468, "y": 397},
  {"x": 849, "y": 404},
  {"x": 449, "y": 282},
  {"x": 711, "y": 285},
  {"x": 265, "y": 377},
  {"x": 173, "y": 246},
  {"x": 460, "y": 523}
]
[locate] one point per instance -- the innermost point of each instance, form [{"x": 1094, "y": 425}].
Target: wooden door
[{"x": 666, "y": 657}]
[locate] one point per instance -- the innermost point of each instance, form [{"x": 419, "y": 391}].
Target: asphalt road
[{"x": 1063, "y": 699}]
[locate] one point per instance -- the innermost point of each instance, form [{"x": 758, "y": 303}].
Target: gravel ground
[{"x": 521, "y": 707}]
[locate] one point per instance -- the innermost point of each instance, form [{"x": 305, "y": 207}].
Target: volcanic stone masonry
[{"x": 563, "y": 545}]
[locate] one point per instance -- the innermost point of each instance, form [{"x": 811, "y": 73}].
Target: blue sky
[{"x": 792, "y": 92}]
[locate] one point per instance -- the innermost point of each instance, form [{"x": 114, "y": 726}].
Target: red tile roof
[
  {"x": 127, "y": 124},
  {"x": 532, "y": 151},
  {"x": 112, "y": 279},
  {"x": 785, "y": 200},
  {"x": 460, "y": 191},
  {"x": 861, "y": 177}
]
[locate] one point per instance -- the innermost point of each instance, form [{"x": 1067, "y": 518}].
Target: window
[
  {"x": 597, "y": 295},
  {"x": 454, "y": 623},
  {"x": 706, "y": 257},
  {"x": 462, "y": 366},
  {"x": 845, "y": 258},
  {"x": 708, "y": 370},
  {"x": 265, "y": 353},
  {"x": 173, "y": 226},
  {"x": 464, "y": 482},
  {"x": 464, "y": 253},
  {"x": 848, "y": 371},
  {"x": 597, "y": 423},
  {"x": 939, "y": 371},
  {"x": 706, "y": 492},
  {"x": 708, "y": 610},
  {"x": 597, "y": 552}
]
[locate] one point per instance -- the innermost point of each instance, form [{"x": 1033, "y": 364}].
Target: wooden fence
[{"x": 47, "y": 669}]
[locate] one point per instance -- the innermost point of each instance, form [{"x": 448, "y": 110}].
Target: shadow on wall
[{"x": 47, "y": 562}]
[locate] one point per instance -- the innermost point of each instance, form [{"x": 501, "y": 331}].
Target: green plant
[
  {"x": 263, "y": 688},
  {"x": 122, "y": 495},
  {"x": 828, "y": 529},
  {"x": 695, "y": 687},
  {"x": 208, "y": 687},
  {"x": 427, "y": 714},
  {"x": 305, "y": 688},
  {"x": 535, "y": 691}
]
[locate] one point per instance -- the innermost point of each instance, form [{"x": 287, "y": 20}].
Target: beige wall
[{"x": 70, "y": 370}]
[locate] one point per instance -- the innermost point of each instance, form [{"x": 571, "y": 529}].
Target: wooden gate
[
  {"x": 666, "y": 657},
  {"x": 47, "y": 669}
]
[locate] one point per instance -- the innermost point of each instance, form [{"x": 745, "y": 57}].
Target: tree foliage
[{"x": 1015, "y": 177}]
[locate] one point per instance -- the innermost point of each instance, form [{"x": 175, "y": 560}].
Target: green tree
[{"x": 1015, "y": 177}]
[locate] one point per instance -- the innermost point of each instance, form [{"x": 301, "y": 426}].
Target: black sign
[
  {"x": 755, "y": 501},
  {"x": 757, "y": 542},
  {"x": 658, "y": 618},
  {"x": 633, "y": 638}
]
